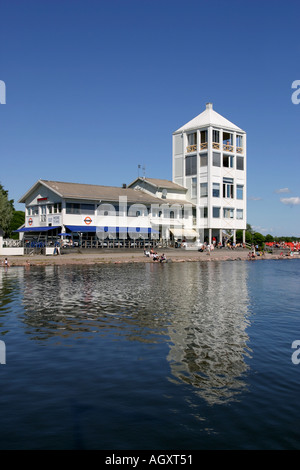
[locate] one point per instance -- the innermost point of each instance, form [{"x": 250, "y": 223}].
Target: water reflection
[
  {"x": 199, "y": 310},
  {"x": 210, "y": 339}
]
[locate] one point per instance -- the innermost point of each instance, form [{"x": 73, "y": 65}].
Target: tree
[
  {"x": 269, "y": 238},
  {"x": 18, "y": 219},
  {"x": 258, "y": 239},
  {"x": 6, "y": 211}
]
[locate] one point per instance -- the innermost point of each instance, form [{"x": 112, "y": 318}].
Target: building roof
[
  {"x": 98, "y": 193},
  {"x": 161, "y": 183},
  {"x": 209, "y": 117}
]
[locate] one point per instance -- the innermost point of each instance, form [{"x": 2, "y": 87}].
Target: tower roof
[{"x": 209, "y": 117}]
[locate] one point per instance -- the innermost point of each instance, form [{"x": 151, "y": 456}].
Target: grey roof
[
  {"x": 161, "y": 183},
  {"x": 93, "y": 192}
]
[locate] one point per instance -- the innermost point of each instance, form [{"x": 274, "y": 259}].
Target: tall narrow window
[
  {"x": 228, "y": 161},
  {"x": 216, "y": 159},
  {"x": 216, "y": 189},
  {"x": 203, "y": 159},
  {"x": 239, "y": 163},
  {"x": 216, "y": 137},
  {"x": 239, "y": 214},
  {"x": 203, "y": 212},
  {"x": 192, "y": 142},
  {"x": 239, "y": 144},
  {"x": 228, "y": 188},
  {"x": 239, "y": 191},
  {"x": 203, "y": 190},
  {"x": 194, "y": 188},
  {"x": 191, "y": 165},
  {"x": 227, "y": 141},
  {"x": 203, "y": 140},
  {"x": 216, "y": 212}
]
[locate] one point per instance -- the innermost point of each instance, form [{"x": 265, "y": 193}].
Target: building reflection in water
[
  {"x": 209, "y": 342},
  {"x": 198, "y": 311}
]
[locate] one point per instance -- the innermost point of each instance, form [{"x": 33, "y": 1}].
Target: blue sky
[{"x": 95, "y": 88}]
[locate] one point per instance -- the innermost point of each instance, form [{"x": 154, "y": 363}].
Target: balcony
[
  {"x": 239, "y": 150},
  {"x": 216, "y": 145},
  {"x": 191, "y": 148},
  {"x": 228, "y": 147},
  {"x": 203, "y": 146}
]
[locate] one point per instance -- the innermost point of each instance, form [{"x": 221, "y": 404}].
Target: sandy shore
[{"x": 135, "y": 256}]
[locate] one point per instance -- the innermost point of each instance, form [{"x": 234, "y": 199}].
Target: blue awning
[
  {"x": 81, "y": 228},
  {"x": 37, "y": 229}
]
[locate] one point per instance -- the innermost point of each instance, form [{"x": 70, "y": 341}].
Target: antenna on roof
[
  {"x": 144, "y": 171},
  {"x": 139, "y": 166}
]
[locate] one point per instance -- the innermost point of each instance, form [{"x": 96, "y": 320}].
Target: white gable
[{"x": 209, "y": 117}]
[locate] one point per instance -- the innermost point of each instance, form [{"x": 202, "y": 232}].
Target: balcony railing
[
  {"x": 239, "y": 150},
  {"x": 215, "y": 145},
  {"x": 191, "y": 148},
  {"x": 203, "y": 146},
  {"x": 228, "y": 147}
]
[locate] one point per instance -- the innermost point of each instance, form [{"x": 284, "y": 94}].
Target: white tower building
[{"x": 209, "y": 159}]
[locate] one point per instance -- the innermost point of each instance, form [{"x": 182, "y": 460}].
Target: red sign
[
  {"x": 88, "y": 220},
  {"x": 30, "y": 221},
  {"x": 42, "y": 199}
]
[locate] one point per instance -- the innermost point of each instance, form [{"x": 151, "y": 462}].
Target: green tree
[
  {"x": 269, "y": 238},
  {"x": 18, "y": 219},
  {"x": 6, "y": 211},
  {"x": 258, "y": 239}
]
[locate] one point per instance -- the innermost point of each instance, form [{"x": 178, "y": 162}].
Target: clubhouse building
[{"x": 205, "y": 199}]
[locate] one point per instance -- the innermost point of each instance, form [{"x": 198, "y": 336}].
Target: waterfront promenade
[{"x": 137, "y": 256}]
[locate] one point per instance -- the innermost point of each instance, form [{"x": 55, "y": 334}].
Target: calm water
[{"x": 172, "y": 356}]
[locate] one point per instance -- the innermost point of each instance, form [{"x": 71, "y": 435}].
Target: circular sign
[
  {"x": 88, "y": 220},
  {"x": 30, "y": 221}
]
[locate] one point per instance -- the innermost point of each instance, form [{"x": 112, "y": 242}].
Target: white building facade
[
  {"x": 205, "y": 201},
  {"x": 209, "y": 160}
]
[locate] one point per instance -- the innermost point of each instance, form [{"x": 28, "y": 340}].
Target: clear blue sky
[{"x": 94, "y": 88}]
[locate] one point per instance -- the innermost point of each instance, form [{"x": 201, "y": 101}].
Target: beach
[{"x": 118, "y": 256}]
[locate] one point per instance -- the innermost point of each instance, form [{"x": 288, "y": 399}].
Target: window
[
  {"x": 192, "y": 138},
  {"x": 194, "y": 187},
  {"x": 28, "y": 210},
  {"x": 72, "y": 208},
  {"x": 203, "y": 190},
  {"x": 191, "y": 165},
  {"x": 239, "y": 214},
  {"x": 88, "y": 209},
  {"x": 203, "y": 159},
  {"x": 216, "y": 159},
  {"x": 239, "y": 191},
  {"x": 57, "y": 208},
  {"x": 228, "y": 161},
  {"x": 216, "y": 189},
  {"x": 216, "y": 212},
  {"x": 35, "y": 210},
  {"x": 216, "y": 136},
  {"x": 228, "y": 213},
  {"x": 239, "y": 163},
  {"x": 228, "y": 141},
  {"x": 203, "y": 140},
  {"x": 215, "y": 139},
  {"x": 228, "y": 188},
  {"x": 203, "y": 212},
  {"x": 239, "y": 144},
  {"x": 43, "y": 214}
]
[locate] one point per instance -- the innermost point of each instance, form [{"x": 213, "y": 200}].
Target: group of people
[{"x": 154, "y": 255}]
